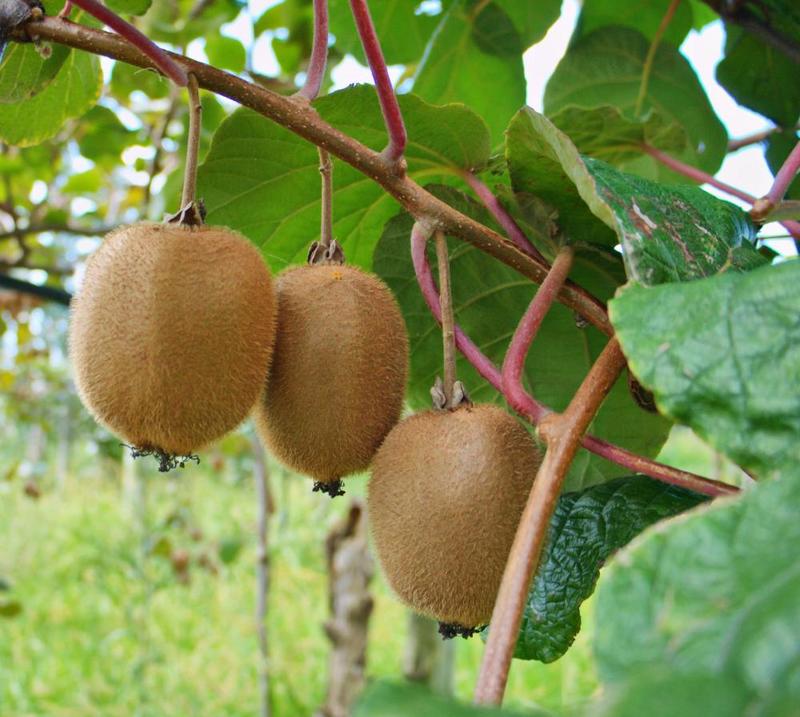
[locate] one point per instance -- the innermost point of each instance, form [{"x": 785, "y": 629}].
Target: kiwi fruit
[
  {"x": 444, "y": 500},
  {"x": 171, "y": 334},
  {"x": 338, "y": 375}
]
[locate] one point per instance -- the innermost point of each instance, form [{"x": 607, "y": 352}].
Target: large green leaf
[
  {"x": 668, "y": 233},
  {"x": 402, "y": 31},
  {"x": 130, "y": 7},
  {"x": 24, "y": 72},
  {"x": 262, "y": 180},
  {"x": 454, "y": 61},
  {"x": 586, "y": 528},
  {"x": 716, "y": 593},
  {"x": 605, "y": 69},
  {"x": 74, "y": 90},
  {"x": 387, "y": 699},
  {"x": 531, "y": 19},
  {"x": 760, "y": 77},
  {"x": 722, "y": 355},
  {"x": 489, "y": 299},
  {"x": 644, "y": 16}
]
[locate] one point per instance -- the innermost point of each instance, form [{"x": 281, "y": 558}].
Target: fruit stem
[
  {"x": 562, "y": 433},
  {"x": 192, "y": 146},
  {"x": 530, "y": 409},
  {"x": 651, "y": 55},
  {"x": 326, "y": 212},
  {"x": 446, "y": 312},
  {"x": 500, "y": 213},
  {"x": 160, "y": 58},
  {"x": 785, "y": 176},
  {"x": 528, "y": 327},
  {"x": 392, "y": 116},
  {"x": 703, "y": 178},
  {"x": 319, "y": 52}
]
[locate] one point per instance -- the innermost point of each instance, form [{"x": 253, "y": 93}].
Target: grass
[{"x": 108, "y": 628}]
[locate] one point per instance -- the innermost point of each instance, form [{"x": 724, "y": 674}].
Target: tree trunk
[
  {"x": 428, "y": 658},
  {"x": 350, "y": 568}
]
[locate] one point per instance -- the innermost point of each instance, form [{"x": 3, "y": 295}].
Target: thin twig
[
  {"x": 527, "y": 329},
  {"x": 698, "y": 175},
  {"x": 761, "y": 207},
  {"x": 50, "y": 293},
  {"x": 446, "y": 306},
  {"x": 319, "y": 52},
  {"x": 160, "y": 58},
  {"x": 383, "y": 84},
  {"x": 306, "y": 123},
  {"x": 56, "y": 229},
  {"x": 785, "y": 176},
  {"x": 757, "y": 137},
  {"x": 530, "y": 409},
  {"x": 326, "y": 212},
  {"x": 651, "y": 55},
  {"x": 562, "y": 433},
  {"x": 192, "y": 144},
  {"x": 500, "y": 213}
]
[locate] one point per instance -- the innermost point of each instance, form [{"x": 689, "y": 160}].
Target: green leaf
[
  {"x": 226, "y": 53},
  {"x": 402, "y": 31},
  {"x": 668, "y": 233},
  {"x": 779, "y": 146},
  {"x": 24, "y": 72},
  {"x": 789, "y": 209},
  {"x": 102, "y": 137},
  {"x": 262, "y": 180},
  {"x": 489, "y": 299},
  {"x": 605, "y": 69},
  {"x": 661, "y": 693},
  {"x": 715, "y": 593},
  {"x": 644, "y": 16},
  {"x": 74, "y": 90},
  {"x": 130, "y": 7},
  {"x": 453, "y": 62},
  {"x": 760, "y": 77},
  {"x": 585, "y": 529},
  {"x": 531, "y": 19},
  {"x": 722, "y": 355},
  {"x": 387, "y": 699},
  {"x": 127, "y": 78}
]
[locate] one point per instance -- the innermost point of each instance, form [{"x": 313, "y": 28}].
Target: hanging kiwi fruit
[
  {"x": 338, "y": 374},
  {"x": 171, "y": 334},
  {"x": 459, "y": 475}
]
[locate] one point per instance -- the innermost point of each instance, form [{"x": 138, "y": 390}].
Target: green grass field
[{"x": 107, "y": 628}]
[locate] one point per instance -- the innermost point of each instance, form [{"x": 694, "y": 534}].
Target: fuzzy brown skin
[
  {"x": 171, "y": 334},
  {"x": 446, "y": 494},
  {"x": 339, "y": 371}
]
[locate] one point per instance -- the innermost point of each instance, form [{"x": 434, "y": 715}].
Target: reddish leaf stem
[
  {"x": 736, "y": 144},
  {"x": 785, "y": 175},
  {"x": 562, "y": 433},
  {"x": 763, "y": 206},
  {"x": 528, "y": 327},
  {"x": 160, "y": 58},
  {"x": 697, "y": 175},
  {"x": 319, "y": 52},
  {"x": 500, "y": 213},
  {"x": 529, "y": 407},
  {"x": 380, "y": 74}
]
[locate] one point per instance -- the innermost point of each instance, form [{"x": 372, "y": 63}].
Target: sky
[{"x": 745, "y": 169}]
